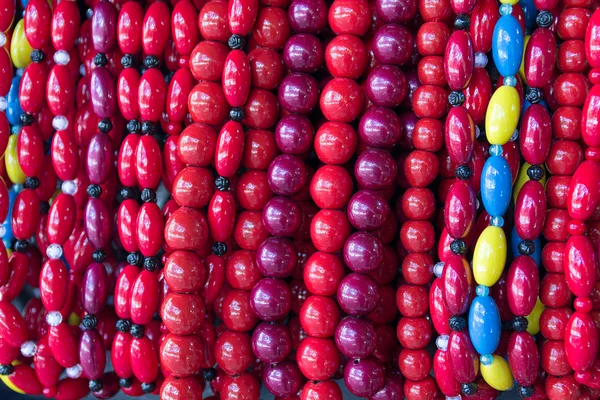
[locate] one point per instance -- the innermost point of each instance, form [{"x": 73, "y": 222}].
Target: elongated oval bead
[
  {"x": 148, "y": 162},
  {"x": 180, "y": 86},
  {"x": 144, "y": 359},
  {"x": 37, "y": 20},
  {"x": 444, "y": 375},
  {"x": 242, "y": 14},
  {"x": 522, "y": 284},
  {"x": 236, "y": 78},
  {"x": 496, "y": 186},
  {"x": 498, "y": 374},
  {"x": 152, "y": 92},
  {"x": 25, "y": 214},
  {"x": 535, "y": 135},
  {"x": 144, "y": 298},
  {"x": 103, "y": 28},
  {"x": 458, "y": 284},
  {"x": 460, "y": 135},
  {"x": 92, "y": 356},
  {"x": 581, "y": 341},
  {"x": 502, "y": 115},
  {"x": 54, "y": 284},
  {"x": 523, "y": 358},
  {"x": 97, "y": 223},
  {"x": 123, "y": 286},
  {"x": 46, "y": 368},
  {"x": 459, "y": 60},
  {"x": 463, "y": 358},
  {"x": 229, "y": 150},
  {"x": 30, "y": 149},
  {"x": 127, "y": 93},
  {"x": 8, "y": 14},
  {"x": 127, "y": 224},
  {"x": 507, "y": 45},
  {"x": 483, "y": 20},
  {"x": 590, "y": 117},
  {"x": 20, "y": 49},
  {"x": 484, "y": 325},
  {"x": 65, "y": 25},
  {"x": 489, "y": 256},
  {"x": 150, "y": 228},
  {"x": 592, "y": 40},
  {"x": 156, "y": 28},
  {"x": 126, "y": 165},
  {"x": 120, "y": 354},
  {"x": 437, "y": 308},
  {"x": 60, "y": 92},
  {"x": 33, "y": 83},
  {"x": 530, "y": 210},
  {"x": 221, "y": 215},
  {"x": 100, "y": 158},
  {"x": 63, "y": 343},
  {"x": 184, "y": 27},
  {"x": 6, "y": 70},
  {"x": 94, "y": 288},
  {"x": 129, "y": 27},
  {"x": 460, "y": 209},
  {"x": 12, "y": 326},
  {"x": 584, "y": 191},
  {"x": 579, "y": 262}
]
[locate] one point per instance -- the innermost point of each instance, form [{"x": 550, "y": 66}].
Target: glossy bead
[
  {"x": 358, "y": 294},
  {"x": 144, "y": 298},
  {"x": 351, "y": 97},
  {"x": 94, "y": 290},
  {"x": 271, "y": 343},
  {"x": 364, "y": 377},
  {"x": 326, "y": 390},
  {"x": 335, "y": 142},
  {"x": 523, "y": 285},
  {"x": 444, "y": 374},
  {"x": 459, "y": 62},
  {"x": 554, "y": 291},
  {"x": 554, "y": 358},
  {"x": 237, "y": 312},
  {"x": 460, "y": 209},
  {"x": 414, "y": 333},
  {"x": 233, "y": 352},
  {"x": 570, "y": 89},
  {"x": 271, "y": 299},
  {"x": 346, "y": 57},
  {"x": 393, "y": 44},
  {"x": 182, "y": 313},
  {"x": 530, "y": 210},
  {"x": 282, "y": 379},
  {"x": 243, "y": 387},
  {"x": 349, "y": 17},
  {"x": 144, "y": 359},
  {"x": 186, "y": 229}
]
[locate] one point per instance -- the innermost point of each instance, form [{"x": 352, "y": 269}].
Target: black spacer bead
[
  {"x": 32, "y": 183},
  {"x": 148, "y": 387},
  {"x": 219, "y": 248},
  {"x": 462, "y": 22},
  {"x": 134, "y": 126},
  {"x": 37, "y": 56},
  {"x": 125, "y": 382},
  {"x": 21, "y": 246},
  {"x": 89, "y": 322},
  {"x": 148, "y": 127},
  {"x": 44, "y": 207},
  {"x": 463, "y": 172},
  {"x": 456, "y": 98},
  {"x": 151, "y": 264},
  {"x": 99, "y": 256},
  {"x": 101, "y": 60},
  {"x": 126, "y": 193},
  {"x": 105, "y": 125},
  {"x": 526, "y": 247},
  {"x": 236, "y": 42},
  {"x": 209, "y": 374},
  {"x": 151, "y": 62},
  {"x": 468, "y": 389},
  {"x": 544, "y": 19},
  {"x": 458, "y": 247},
  {"x": 95, "y": 385},
  {"x": 123, "y": 325},
  {"x": 6, "y": 369},
  {"x": 222, "y": 183},
  {"x": 533, "y": 95},
  {"x": 26, "y": 119},
  {"x": 526, "y": 391},
  {"x": 94, "y": 191},
  {"x": 135, "y": 259},
  {"x": 536, "y": 172},
  {"x": 457, "y": 323},
  {"x": 237, "y": 114},
  {"x": 519, "y": 324},
  {"x": 127, "y": 61},
  {"x": 137, "y": 331},
  {"x": 148, "y": 196}
]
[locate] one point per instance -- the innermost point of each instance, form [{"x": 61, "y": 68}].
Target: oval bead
[
  {"x": 236, "y": 78},
  {"x": 152, "y": 91},
  {"x": 507, "y": 45},
  {"x": 184, "y": 27},
  {"x": 581, "y": 341},
  {"x": 120, "y": 354},
  {"x": 444, "y": 375},
  {"x": 180, "y": 86},
  {"x": 460, "y": 209},
  {"x": 458, "y": 283},
  {"x": 92, "y": 356},
  {"x": 460, "y": 135},
  {"x": 129, "y": 27},
  {"x": 65, "y": 155},
  {"x": 25, "y": 214},
  {"x": 11, "y": 160},
  {"x": 103, "y": 27},
  {"x": 37, "y": 20},
  {"x": 535, "y": 135},
  {"x": 144, "y": 298},
  {"x": 502, "y": 115},
  {"x": 530, "y": 210},
  {"x": 12, "y": 326},
  {"x": 522, "y": 284},
  {"x": 148, "y": 162},
  {"x": 592, "y": 41},
  {"x": 127, "y": 224},
  {"x": 155, "y": 29},
  {"x": 489, "y": 256},
  {"x": 30, "y": 149},
  {"x": 523, "y": 358},
  {"x": 144, "y": 359},
  {"x": 60, "y": 92},
  {"x": 484, "y": 325},
  {"x": 8, "y": 14},
  {"x": 126, "y": 165},
  {"x": 33, "y": 82},
  {"x": 221, "y": 215},
  {"x": 590, "y": 117},
  {"x": 463, "y": 358},
  {"x": 579, "y": 263},
  {"x": 123, "y": 286},
  {"x": 242, "y": 14},
  {"x": 584, "y": 191},
  {"x": 498, "y": 374},
  {"x": 20, "y": 49},
  {"x": 97, "y": 223},
  {"x": 99, "y": 160},
  {"x": 127, "y": 93},
  {"x": 65, "y": 25},
  {"x": 94, "y": 288},
  {"x": 459, "y": 60},
  {"x": 483, "y": 21},
  {"x": 54, "y": 284},
  {"x": 437, "y": 308},
  {"x": 540, "y": 56},
  {"x": 63, "y": 344},
  {"x": 150, "y": 228},
  {"x": 496, "y": 185},
  {"x": 229, "y": 150}
]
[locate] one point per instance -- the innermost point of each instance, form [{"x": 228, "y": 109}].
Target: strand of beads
[
  {"x": 491, "y": 249},
  {"x": 554, "y": 289}
]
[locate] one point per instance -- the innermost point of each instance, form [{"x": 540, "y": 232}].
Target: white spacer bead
[
  {"x": 54, "y": 251},
  {"x": 29, "y": 348},
  {"x": 54, "y": 318},
  {"x": 74, "y": 372},
  {"x": 69, "y": 187},
  {"x": 61, "y": 57}
]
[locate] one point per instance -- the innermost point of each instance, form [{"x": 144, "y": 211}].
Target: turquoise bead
[
  {"x": 496, "y": 184},
  {"x": 507, "y": 45}
]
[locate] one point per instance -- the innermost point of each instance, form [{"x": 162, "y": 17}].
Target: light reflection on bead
[
  {"x": 495, "y": 150},
  {"x": 482, "y": 291}
]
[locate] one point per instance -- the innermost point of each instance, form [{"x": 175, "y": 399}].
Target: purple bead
[
  {"x": 298, "y": 93},
  {"x": 276, "y": 257},
  {"x": 294, "y": 134},
  {"x": 282, "y": 216},
  {"x": 271, "y": 299},
  {"x": 104, "y": 26},
  {"x": 393, "y": 389},
  {"x": 368, "y": 210},
  {"x": 364, "y": 377},
  {"x": 287, "y": 175},
  {"x": 308, "y": 16},
  {"x": 393, "y": 44},
  {"x": 363, "y": 252},
  {"x": 375, "y": 169},
  {"x": 271, "y": 343},
  {"x": 97, "y": 223},
  {"x": 303, "y": 53},
  {"x": 92, "y": 356},
  {"x": 380, "y": 127},
  {"x": 408, "y": 120},
  {"x": 397, "y": 11},
  {"x": 356, "y": 337},
  {"x": 358, "y": 294},
  {"x": 387, "y": 86},
  {"x": 99, "y": 159},
  {"x": 103, "y": 93},
  {"x": 283, "y": 379},
  {"x": 93, "y": 289}
]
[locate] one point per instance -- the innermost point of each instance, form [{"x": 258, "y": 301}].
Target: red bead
[
  {"x": 581, "y": 341},
  {"x": 207, "y": 103},
  {"x": 236, "y": 78},
  {"x": 319, "y": 316},
  {"x": 571, "y": 89},
  {"x": 432, "y": 38},
  {"x": 341, "y": 100},
  {"x": 271, "y": 28},
  {"x": 233, "y": 352},
  {"x": 554, "y": 358},
  {"x": 184, "y": 272},
  {"x": 414, "y": 364},
  {"x": 411, "y": 300},
  {"x": 261, "y": 109},
  {"x": 329, "y": 230},
  {"x": 321, "y": 390},
  {"x": 241, "y": 387},
  {"x": 413, "y": 333},
  {"x": 425, "y": 389},
  {"x": 193, "y": 187},
  {"x": 562, "y": 387},
  {"x": 186, "y": 229},
  {"x": 237, "y": 313},
  {"x": 346, "y": 57},
  {"x": 144, "y": 298},
  {"x": 266, "y": 67},
  {"x": 459, "y": 60},
  {"x": 335, "y": 142},
  {"x": 174, "y": 388},
  {"x": 144, "y": 359},
  {"x": 318, "y": 359},
  {"x": 182, "y": 314},
  {"x": 580, "y": 265},
  {"x": 523, "y": 358},
  {"x": 150, "y": 227}
]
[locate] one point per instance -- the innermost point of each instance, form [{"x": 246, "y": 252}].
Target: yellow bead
[
  {"x": 502, "y": 115},
  {"x": 498, "y": 374},
  {"x": 522, "y": 67},
  {"x": 20, "y": 49},
  {"x": 11, "y": 160},
  {"x": 533, "y": 319},
  {"x": 8, "y": 382},
  {"x": 74, "y": 319},
  {"x": 511, "y": 2},
  {"x": 489, "y": 257},
  {"x": 522, "y": 177}
]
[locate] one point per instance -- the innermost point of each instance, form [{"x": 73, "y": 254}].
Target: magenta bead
[
  {"x": 298, "y": 93},
  {"x": 271, "y": 343},
  {"x": 380, "y": 127},
  {"x": 94, "y": 288},
  {"x": 358, "y": 294},
  {"x": 356, "y": 337},
  {"x": 287, "y": 175},
  {"x": 100, "y": 159},
  {"x": 282, "y": 216},
  {"x": 97, "y": 223},
  {"x": 276, "y": 257},
  {"x": 104, "y": 26},
  {"x": 368, "y": 210},
  {"x": 363, "y": 252},
  {"x": 294, "y": 134},
  {"x": 103, "y": 93},
  {"x": 364, "y": 377},
  {"x": 271, "y": 299}
]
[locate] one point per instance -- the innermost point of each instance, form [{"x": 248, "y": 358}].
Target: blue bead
[
  {"x": 482, "y": 291},
  {"x": 497, "y": 221},
  {"x": 514, "y": 246},
  {"x": 507, "y": 45},
  {"x": 495, "y": 150},
  {"x": 496, "y": 186},
  {"x": 14, "y": 110},
  {"x": 484, "y": 325},
  {"x": 486, "y": 359},
  {"x": 530, "y": 13}
]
